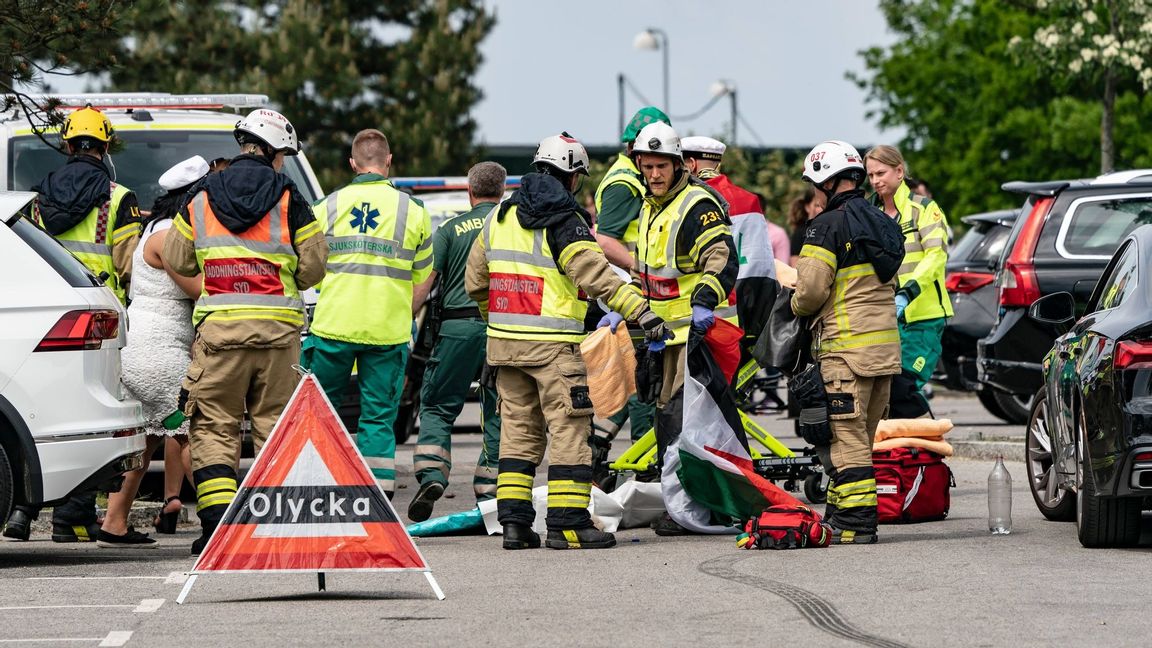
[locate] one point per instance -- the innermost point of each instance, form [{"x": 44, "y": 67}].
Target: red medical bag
[{"x": 912, "y": 485}]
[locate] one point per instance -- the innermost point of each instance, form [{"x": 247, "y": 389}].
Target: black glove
[
  {"x": 807, "y": 388},
  {"x": 488, "y": 376},
  {"x": 649, "y": 375},
  {"x": 655, "y": 329}
]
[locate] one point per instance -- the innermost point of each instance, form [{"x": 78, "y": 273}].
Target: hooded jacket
[
  {"x": 241, "y": 196},
  {"x": 542, "y": 203},
  {"x": 69, "y": 194}
]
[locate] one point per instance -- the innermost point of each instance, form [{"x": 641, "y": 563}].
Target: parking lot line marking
[
  {"x": 176, "y": 578},
  {"x": 52, "y": 640},
  {"x": 149, "y": 605},
  {"x": 116, "y": 638},
  {"x": 59, "y": 607},
  {"x": 97, "y": 577}
]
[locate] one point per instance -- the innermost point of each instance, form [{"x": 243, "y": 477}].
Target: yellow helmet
[{"x": 88, "y": 122}]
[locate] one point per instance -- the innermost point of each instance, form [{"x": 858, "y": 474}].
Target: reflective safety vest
[
  {"x": 91, "y": 240},
  {"x": 925, "y": 235},
  {"x": 668, "y": 290},
  {"x": 623, "y": 171},
  {"x": 247, "y": 276},
  {"x": 528, "y": 297},
  {"x": 379, "y": 246}
]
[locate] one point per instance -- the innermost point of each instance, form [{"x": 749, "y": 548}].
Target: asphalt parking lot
[{"x": 945, "y": 583}]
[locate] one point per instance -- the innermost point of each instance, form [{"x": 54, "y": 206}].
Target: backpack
[
  {"x": 877, "y": 236},
  {"x": 785, "y": 527}
]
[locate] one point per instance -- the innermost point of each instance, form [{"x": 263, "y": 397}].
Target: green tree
[
  {"x": 334, "y": 67},
  {"x": 44, "y": 38},
  {"x": 1101, "y": 45},
  {"x": 977, "y": 116}
]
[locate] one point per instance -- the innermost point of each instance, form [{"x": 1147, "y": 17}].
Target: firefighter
[
  {"x": 618, "y": 201},
  {"x": 98, "y": 221},
  {"x": 687, "y": 264},
  {"x": 526, "y": 271},
  {"x": 856, "y": 341},
  {"x": 379, "y": 249},
  {"x": 455, "y": 360},
  {"x": 922, "y": 302},
  {"x": 252, "y": 235}
]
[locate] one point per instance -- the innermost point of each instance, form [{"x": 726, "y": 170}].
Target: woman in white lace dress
[{"x": 155, "y": 359}]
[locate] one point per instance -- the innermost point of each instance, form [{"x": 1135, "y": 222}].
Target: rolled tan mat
[
  {"x": 937, "y": 445},
  {"x": 611, "y": 363},
  {"x": 918, "y": 427}
]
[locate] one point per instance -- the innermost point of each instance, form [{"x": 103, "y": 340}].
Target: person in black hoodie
[
  {"x": 526, "y": 270},
  {"x": 98, "y": 221},
  {"x": 256, "y": 241}
]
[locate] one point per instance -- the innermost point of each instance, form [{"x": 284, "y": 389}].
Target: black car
[
  {"x": 1066, "y": 233},
  {"x": 969, "y": 278},
  {"x": 1089, "y": 443}
]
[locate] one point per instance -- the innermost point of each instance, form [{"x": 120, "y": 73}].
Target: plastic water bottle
[{"x": 999, "y": 499}]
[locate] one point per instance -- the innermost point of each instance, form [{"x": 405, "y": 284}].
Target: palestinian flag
[{"x": 708, "y": 482}]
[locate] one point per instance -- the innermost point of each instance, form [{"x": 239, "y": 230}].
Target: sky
[{"x": 551, "y": 66}]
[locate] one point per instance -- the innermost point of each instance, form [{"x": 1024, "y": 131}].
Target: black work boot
[
  {"x": 420, "y": 508},
  {"x": 845, "y": 536},
  {"x": 75, "y": 532},
  {"x": 590, "y": 538},
  {"x": 19, "y": 526},
  {"x": 666, "y": 526},
  {"x": 520, "y": 536}
]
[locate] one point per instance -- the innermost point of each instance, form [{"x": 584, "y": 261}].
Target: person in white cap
[
  {"x": 754, "y": 298},
  {"x": 156, "y": 358},
  {"x": 255, "y": 238}
]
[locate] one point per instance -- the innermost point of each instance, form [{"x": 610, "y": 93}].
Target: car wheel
[
  {"x": 1054, "y": 502},
  {"x": 5, "y": 486},
  {"x": 1017, "y": 408},
  {"x": 988, "y": 400},
  {"x": 1102, "y": 521}
]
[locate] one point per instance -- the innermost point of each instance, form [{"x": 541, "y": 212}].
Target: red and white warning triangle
[{"x": 310, "y": 504}]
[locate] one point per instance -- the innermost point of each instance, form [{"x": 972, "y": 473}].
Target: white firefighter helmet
[
  {"x": 269, "y": 127},
  {"x": 830, "y": 159},
  {"x": 563, "y": 152},
  {"x": 658, "y": 138}
]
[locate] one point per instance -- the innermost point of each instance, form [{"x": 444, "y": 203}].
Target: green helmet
[{"x": 643, "y": 117}]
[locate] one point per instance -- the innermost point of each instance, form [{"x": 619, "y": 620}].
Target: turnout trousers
[
  {"x": 545, "y": 407},
  {"x": 856, "y": 405},
  {"x": 380, "y": 374},
  {"x": 455, "y": 363},
  {"x": 221, "y": 385}
]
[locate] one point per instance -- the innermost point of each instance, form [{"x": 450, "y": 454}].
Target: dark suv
[{"x": 1063, "y": 239}]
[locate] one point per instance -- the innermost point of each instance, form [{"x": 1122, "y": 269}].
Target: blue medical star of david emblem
[{"x": 364, "y": 217}]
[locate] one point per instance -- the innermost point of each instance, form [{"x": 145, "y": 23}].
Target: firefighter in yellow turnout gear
[
  {"x": 252, "y": 235},
  {"x": 855, "y": 336},
  {"x": 526, "y": 271},
  {"x": 98, "y": 221},
  {"x": 379, "y": 248}
]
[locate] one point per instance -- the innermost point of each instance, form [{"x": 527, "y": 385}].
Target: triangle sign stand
[{"x": 309, "y": 504}]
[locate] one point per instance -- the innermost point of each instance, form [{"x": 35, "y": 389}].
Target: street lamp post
[
  {"x": 651, "y": 39},
  {"x": 726, "y": 87},
  {"x": 620, "y": 98}
]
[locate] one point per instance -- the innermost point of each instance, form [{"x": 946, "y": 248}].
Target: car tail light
[
  {"x": 81, "y": 329},
  {"x": 1130, "y": 354},
  {"x": 966, "y": 282},
  {"x": 1018, "y": 284},
  {"x": 1143, "y": 456},
  {"x": 126, "y": 432}
]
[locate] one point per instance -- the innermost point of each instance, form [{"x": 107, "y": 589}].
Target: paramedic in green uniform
[{"x": 459, "y": 353}]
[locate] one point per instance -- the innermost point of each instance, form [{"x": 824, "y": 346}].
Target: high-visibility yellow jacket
[
  {"x": 623, "y": 171},
  {"x": 921, "y": 276},
  {"x": 668, "y": 277},
  {"x": 247, "y": 276},
  {"x": 92, "y": 240},
  {"x": 379, "y": 247}
]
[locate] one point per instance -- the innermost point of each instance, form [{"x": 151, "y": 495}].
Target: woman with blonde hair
[{"x": 922, "y": 302}]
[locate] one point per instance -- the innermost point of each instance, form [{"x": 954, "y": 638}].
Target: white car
[{"x": 66, "y": 423}]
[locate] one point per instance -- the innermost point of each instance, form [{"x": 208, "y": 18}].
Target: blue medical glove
[
  {"x": 657, "y": 346},
  {"x": 703, "y": 318},
  {"x": 901, "y": 304},
  {"x": 612, "y": 319}
]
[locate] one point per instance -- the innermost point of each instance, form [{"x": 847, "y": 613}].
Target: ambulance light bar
[
  {"x": 122, "y": 101},
  {"x": 444, "y": 183}
]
